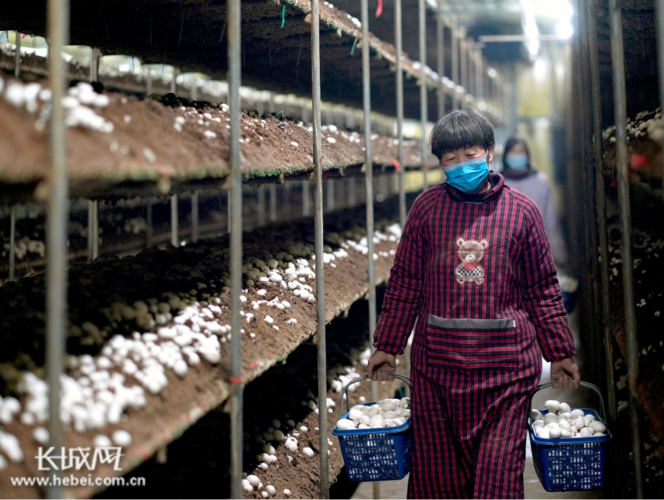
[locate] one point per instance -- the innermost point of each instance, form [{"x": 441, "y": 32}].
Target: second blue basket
[
  {"x": 375, "y": 454},
  {"x": 571, "y": 464}
]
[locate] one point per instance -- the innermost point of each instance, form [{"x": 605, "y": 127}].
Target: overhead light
[
  {"x": 492, "y": 73},
  {"x": 530, "y": 29},
  {"x": 564, "y": 30}
]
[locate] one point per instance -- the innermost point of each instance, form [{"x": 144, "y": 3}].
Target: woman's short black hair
[
  {"x": 464, "y": 128},
  {"x": 511, "y": 142}
]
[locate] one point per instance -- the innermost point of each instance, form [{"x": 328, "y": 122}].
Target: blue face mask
[
  {"x": 516, "y": 162},
  {"x": 469, "y": 176}
]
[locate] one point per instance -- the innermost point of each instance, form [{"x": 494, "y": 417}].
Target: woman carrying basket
[{"x": 474, "y": 265}]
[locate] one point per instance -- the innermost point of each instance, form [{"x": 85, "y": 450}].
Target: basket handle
[
  {"x": 345, "y": 391},
  {"x": 588, "y": 385}
]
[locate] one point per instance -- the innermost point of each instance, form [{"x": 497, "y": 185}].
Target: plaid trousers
[{"x": 467, "y": 444}]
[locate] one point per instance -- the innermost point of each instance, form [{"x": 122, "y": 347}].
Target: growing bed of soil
[
  {"x": 94, "y": 287},
  {"x": 158, "y": 145},
  {"x": 197, "y": 464},
  {"x": 275, "y": 39}
]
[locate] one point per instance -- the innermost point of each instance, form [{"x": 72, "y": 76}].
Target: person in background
[{"x": 520, "y": 175}]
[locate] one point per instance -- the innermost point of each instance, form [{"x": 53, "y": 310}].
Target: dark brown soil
[
  {"x": 145, "y": 153},
  {"x": 276, "y": 44},
  {"x": 184, "y": 401}
]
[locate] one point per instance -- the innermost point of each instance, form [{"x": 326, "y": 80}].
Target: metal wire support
[
  {"x": 306, "y": 199},
  {"x": 17, "y": 55},
  {"x": 149, "y": 229},
  {"x": 620, "y": 104},
  {"x": 368, "y": 172},
  {"x": 330, "y": 195},
  {"x": 12, "y": 244},
  {"x": 479, "y": 74},
  {"x": 148, "y": 83},
  {"x": 194, "y": 216},
  {"x": 600, "y": 197},
  {"x": 352, "y": 198},
  {"x": 174, "y": 221},
  {"x": 660, "y": 46},
  {"x": 273, "y": 202},
  {"x": 424, "y": 104},
  {"x": 320, "y": 269},
  {"x": 398, "y": 37},
  {"x": 93, "y": 229},
  {"x": 440, "y": 52},
  {"x": 455, "y": 63},
  {"x": 56, "y": 230},
  {"x": 235, "y": 191},
  {"x": 95, "y": 54},
  {"x": 261, "y": 205}
]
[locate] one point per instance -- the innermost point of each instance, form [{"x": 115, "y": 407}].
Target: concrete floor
[{"x": 582, "y": 398}]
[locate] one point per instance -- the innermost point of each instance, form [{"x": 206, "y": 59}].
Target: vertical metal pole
[
  {"x": 12, "y": 244},
  {"x": 352, "y": 201},
  {"x": 479, "y": 75},
  {"x": 17, "y": 56},
  {"x": 440, "y": 52},
  {"x": 306, "y": 199},
  {"x": 194, "y": 216},
  {"x": 620, "y": 104},
  {"x": 194, "y": 89},
  {"x": 174, "y": 221},
  {"x": 56, "y": 236},
  {"x": 424, "y": 103},
  {"x": 660, "y": 45},
  {"x": 229, "y": 211},
  {"x": 235, "y": 191},
  {"x": 320, "y": 269},
  {"x": 173, "y": 82},
  {"x": 95, "y": 229},
  {"x": 149, "y": 229},
  {"x": 398, "y": 36},
  {"x": 455, "y": 62},
  {"x": 368, "y": 164},
  {"x": 261, "y": 205},
  {"x": 149, "y": 83},
  {"x": 464, "y": 69},
  {"x": 94, "y": 64},
  {"x": 273, "y": 202},
  {"x": 330, "y": 194}
]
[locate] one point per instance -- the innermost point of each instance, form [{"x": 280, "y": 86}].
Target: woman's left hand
[{"x": 565, "y": 374}]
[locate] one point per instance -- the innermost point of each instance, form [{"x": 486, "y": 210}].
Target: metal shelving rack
[{"x": 58, "y": 29}]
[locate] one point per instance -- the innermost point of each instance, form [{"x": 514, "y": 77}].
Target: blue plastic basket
[
  {"x": 375, "y": 454},
  {"x": 574, "y": 464}
]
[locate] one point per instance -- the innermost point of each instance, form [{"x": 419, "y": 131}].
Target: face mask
[
  {"x": 469, "y": 176},
  {"x": 517, "y": 162}
]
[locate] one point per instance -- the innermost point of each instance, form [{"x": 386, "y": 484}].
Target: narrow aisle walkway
[{"x": 533, "y": 488}]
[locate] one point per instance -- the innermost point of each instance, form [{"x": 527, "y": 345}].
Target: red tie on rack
[{"x": 379, "y": 10}]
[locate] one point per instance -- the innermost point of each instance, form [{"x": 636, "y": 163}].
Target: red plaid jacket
[{"x": 464, "y": 258}]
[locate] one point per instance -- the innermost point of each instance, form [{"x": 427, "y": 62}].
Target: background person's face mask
[
  {"x": 468, "y": 176},
  {"x": 516, "y": 162}
]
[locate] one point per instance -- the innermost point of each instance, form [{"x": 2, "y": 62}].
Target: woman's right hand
[{"x": 380, "y": 364}]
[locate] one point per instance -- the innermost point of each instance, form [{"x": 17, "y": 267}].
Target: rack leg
[
  {"x": 57, "y": 223},
  {"x": 273, "y": 202},
  {"x": 235, "y": 219},
  {"x": 194, "y": 216},
  {"x": 17, "y": 56},
  {"x": 402, "y": 173},
  {"x": 620, "y": 104},
  {"x": 320, "y": 283},
  {"x": 149, "y": 229},
  {"x": 424, "y": 104},
  {"x": 261, "y": 205},
  {"x": 12, "y": 244},
  {"x": 175, "y": 239}
]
